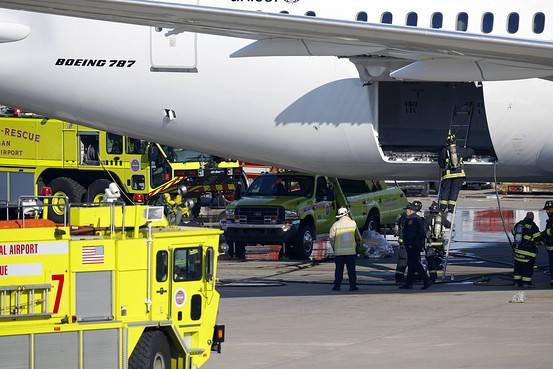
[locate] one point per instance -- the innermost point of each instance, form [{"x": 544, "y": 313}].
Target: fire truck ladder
[
  {"x": 447, "y": 245},
  {"x": 12, "y": 302},
  {"x": 461, "y": 121}
]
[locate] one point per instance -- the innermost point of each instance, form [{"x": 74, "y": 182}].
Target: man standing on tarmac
[
  {"x": 343, "y": 240},
  {"x": 527, "y": 234},
  {"x": 401, "y": 265},
  {"x": 453, "y": 173},
  {"x": 413, "y": 238},
  {"x": 548, "y": 238}
]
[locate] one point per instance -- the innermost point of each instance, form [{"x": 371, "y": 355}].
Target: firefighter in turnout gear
[
  {"x": 548, "y": 238},
  {"x": 453, "y": 173},
  {"x": 401, "y": 266},
  {"x": 527, "y": 234},
  {"x": 343, "y": 234},
  {"x": 413, "y": 237},
  {"x": 434, "y": 223}
]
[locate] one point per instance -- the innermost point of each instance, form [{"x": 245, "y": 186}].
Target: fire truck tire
[
  {"x": 96, "y": 190},
  {"x": 303, "y": 242},
  {"x": 151, "y": 352},
  {"x": 63, "y": 186}
]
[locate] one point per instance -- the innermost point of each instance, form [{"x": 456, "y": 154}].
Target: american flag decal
[{"x": 93, "y": 254}]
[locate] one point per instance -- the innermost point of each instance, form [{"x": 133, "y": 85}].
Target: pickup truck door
[{"x": 324, "y": 210}]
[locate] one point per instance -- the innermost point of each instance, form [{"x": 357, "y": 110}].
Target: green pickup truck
[{"x": 291, "y": 208}]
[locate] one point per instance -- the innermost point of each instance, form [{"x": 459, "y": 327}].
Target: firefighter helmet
[
  {"x": 548, "y": 205},
  {"x": 341, "y": 212},
  {"x": 418, "y": 205},
  {"x": 450, "y": 138},
  {"x": 434, "y": 207}
]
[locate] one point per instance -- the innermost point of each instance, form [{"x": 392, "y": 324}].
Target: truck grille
[{"x": 259, "y": 214}]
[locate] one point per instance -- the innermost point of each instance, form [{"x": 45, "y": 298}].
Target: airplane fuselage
[{"x": 311, "y": 113}]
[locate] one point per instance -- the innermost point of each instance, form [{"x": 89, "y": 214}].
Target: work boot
[
  {"x": 405, "y": 287},
  {"x": 528, "y": 285},
  {"x": 336, "y": 288},
  {"x": 427, "y": 284},
  {"x": 550, "y": 285},
  {"x": 354, "y": 288}
]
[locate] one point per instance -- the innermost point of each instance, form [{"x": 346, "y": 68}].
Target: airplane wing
[{"x": 416, "y": 53}]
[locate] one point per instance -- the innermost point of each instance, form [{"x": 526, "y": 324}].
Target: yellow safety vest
[{"x": 342, "y": 234}]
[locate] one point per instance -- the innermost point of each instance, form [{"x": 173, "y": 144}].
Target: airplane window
[
  {"x": 487, "y": 22},
  {"x": 512, "y": 23},
  {"x": 462, "y": 22},
  {"x": 386, "y": 18},
  {"x": 437, "y": 20},
  {"x": 539, "y": 22},
  {"x": 412, "y": 19},
  {"x": 361, "y": 16},
  {"x": 310, "y": 14}
]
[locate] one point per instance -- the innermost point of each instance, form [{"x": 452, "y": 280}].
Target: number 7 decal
[{"x": 60, "y": 278}]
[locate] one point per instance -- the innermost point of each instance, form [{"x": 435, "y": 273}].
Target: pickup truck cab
[{"x": 292, "y": 208}]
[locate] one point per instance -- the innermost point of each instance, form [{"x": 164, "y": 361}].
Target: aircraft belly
[{"x": 306, "y": 113}]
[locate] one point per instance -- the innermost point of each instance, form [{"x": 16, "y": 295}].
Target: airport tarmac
[{"x": 283, "y": 314}]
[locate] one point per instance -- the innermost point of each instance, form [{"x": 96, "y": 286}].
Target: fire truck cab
[{"x": 79, "y": 163}]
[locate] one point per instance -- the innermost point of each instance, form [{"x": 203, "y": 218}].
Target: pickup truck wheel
[
  {"x": 303, "y": 244},
  {"x": 372, "y": 224}
]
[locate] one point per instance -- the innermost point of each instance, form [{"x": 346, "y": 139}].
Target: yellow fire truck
[
  {"x": 117, "y": 288},
  {"x": 79, "y": 163}
]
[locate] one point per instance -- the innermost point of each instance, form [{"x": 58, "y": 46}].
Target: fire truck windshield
[{"x": 175, "y": 155}]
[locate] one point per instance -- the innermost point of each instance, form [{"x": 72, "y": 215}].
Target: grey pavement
[{"x": 282, "y": 314}]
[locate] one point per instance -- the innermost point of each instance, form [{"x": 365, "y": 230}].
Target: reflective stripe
[
  {"x": 449, "y": 175},
  {"x": 525, "y": 253},
  {"x": 344, "y": 242}
]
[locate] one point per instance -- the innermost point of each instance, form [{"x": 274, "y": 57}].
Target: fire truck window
[
  {"x": 114, "y": 143},
  {"x": 162, "y": 266},
  {"x": 138, "y": 182},
  {"x": 135, "y": 146},
  {"x": 89, "y": 149},
  {"x": 187, "y": 264}
]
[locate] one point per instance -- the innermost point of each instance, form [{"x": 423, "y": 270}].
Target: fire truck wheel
[
  {"x": 96, "y": 190},
  {"x": 303, "y": 243},
  {"x": 151, "y": 352},
  {"x": 63, "y": 186}
]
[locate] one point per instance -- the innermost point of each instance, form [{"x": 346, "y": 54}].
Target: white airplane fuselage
[{"x": 310, "y": 113}]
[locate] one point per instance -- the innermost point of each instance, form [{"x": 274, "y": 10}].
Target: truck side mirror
[
  {"x": 209, "y": 264},
  {"x": 238, "y": 191}
]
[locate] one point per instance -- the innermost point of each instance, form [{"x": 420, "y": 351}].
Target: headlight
[
  {"x": 290, "y": 215},
  {"x": 230, "y": 212}
]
